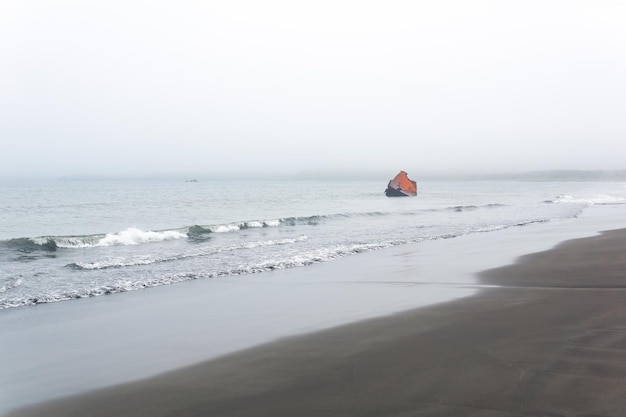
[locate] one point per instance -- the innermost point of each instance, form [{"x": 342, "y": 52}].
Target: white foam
[
  {"x": 10, "y": 285},
  {"x": 115, "y": 263},
  {"x": 134, "y": 236},
  {"x": 225, "y": 228},
  {"x": 251, "y": 224},
  {"x": 254, "y": 224},
  {"x": 597, "y": 199}
]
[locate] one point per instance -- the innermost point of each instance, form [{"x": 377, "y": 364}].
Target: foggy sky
[{"x": 198, "y": 88}]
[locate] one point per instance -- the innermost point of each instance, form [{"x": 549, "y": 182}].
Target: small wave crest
[
  {"x": 495, "y": 227},
  {"x": 597, "y": 199},
  {"x": 472, "y": 208},
  {"x": 462, "y": 208},
  {"x": 297, "y": 260},
  {"x": 148, "y": 260},
  {"x": 255, "y": 224}
]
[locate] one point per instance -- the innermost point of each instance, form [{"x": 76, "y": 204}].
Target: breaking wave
[
  {"x": 136, "y": 236},
  {"x": 130, "y": 236}
]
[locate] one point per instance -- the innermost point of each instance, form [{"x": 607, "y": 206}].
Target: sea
[
  {"x": 67, "y": 240},
  {"x": 106, "y": 282}
]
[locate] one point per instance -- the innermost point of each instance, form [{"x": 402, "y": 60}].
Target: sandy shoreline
[{"x": 551, "y": 341}]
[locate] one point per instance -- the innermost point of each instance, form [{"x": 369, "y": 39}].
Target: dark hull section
[{"x": 392, "y": 192}]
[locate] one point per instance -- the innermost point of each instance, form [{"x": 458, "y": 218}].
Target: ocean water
[
  {"x": 103, "y": 283},
  {"x": 67, "y": 240}
]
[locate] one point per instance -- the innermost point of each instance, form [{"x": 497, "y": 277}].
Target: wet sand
[{"x": 551, "y": 341}]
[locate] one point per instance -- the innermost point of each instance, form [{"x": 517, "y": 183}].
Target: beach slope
[{"x": 550, "y": 340}]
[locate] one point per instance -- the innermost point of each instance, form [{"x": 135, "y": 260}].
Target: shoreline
[{"x": 549, "y": 341}]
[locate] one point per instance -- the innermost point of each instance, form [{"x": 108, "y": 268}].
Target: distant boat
[{"x": 401, "y": 186}]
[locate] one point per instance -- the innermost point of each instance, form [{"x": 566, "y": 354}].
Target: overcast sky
[{"x": 197, "y": 88}]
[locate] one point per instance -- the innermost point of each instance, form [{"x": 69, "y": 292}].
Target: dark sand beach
[{"x": 551, "y": 341}]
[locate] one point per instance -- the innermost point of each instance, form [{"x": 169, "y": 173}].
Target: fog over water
[{"x": 197, "y": 89}]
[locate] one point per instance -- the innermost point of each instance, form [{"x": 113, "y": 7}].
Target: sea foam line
[{"x": 146, "y": 260}]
